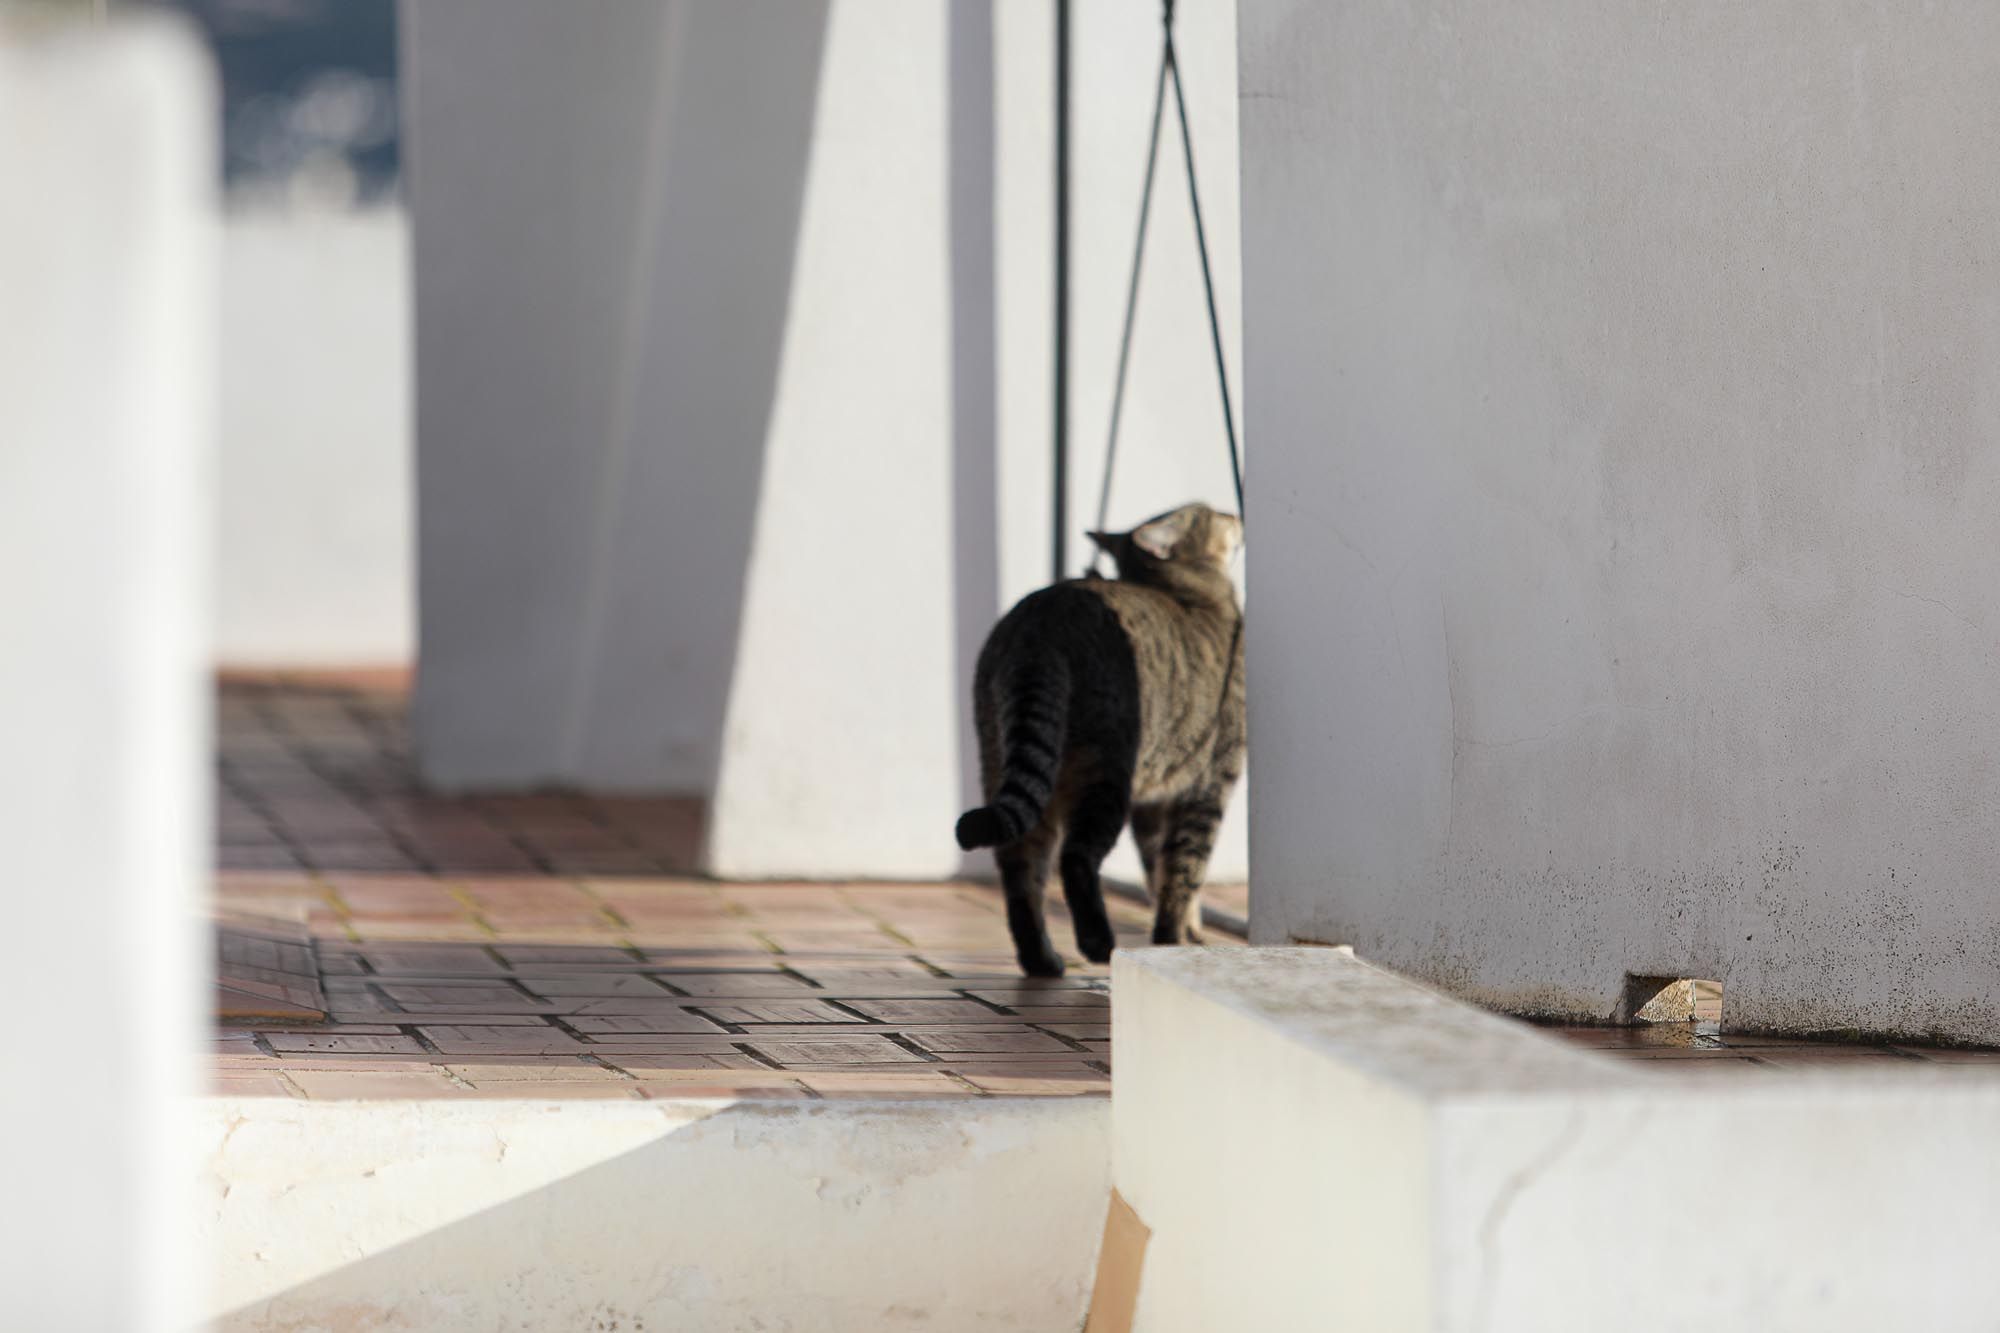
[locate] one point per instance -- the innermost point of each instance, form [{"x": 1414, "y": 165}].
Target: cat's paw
[
  {"x": 1047, "y": 963},
  {"x": 1096, "y": 945}
]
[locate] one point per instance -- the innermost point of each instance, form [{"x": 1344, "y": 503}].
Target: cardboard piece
[{"x": 1120, "y": 1260}]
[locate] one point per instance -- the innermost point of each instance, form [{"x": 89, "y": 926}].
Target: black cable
[
  {"x": 1169, "y": 69},
  {"x": 1131, "y": 302},
  {"x": 1207, "y": 276}
]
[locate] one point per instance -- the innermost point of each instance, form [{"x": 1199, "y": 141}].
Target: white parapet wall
[
  {"x": 1318, "y": 1144},
  {"x": 107, "y": 414},
  {"x": 792, "y": 1217},
  {"x": 1626, "y": 401}
]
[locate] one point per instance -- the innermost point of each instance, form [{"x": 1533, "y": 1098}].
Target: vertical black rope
[
  {"x": 1173, "y": 65},
  {"x": 1061, "y": 506},
  {"x": 1132, "y": 300}
]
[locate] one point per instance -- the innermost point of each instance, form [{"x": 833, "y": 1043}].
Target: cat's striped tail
[{"x": 1033, "y": 714}]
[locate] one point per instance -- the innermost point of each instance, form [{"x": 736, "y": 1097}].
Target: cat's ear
[
  {"x": 1107, "y": 542},
  {"x": 1159, "y": 537}
]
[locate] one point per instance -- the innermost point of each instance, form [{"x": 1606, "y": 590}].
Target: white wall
[
  {"x": 1627, "y": 496},
  {"x": 107, "y": 417},
  {"x": 317, "y": 468},
  {"x": 733, "y": 392},
  {"x": 793, "y": 1217}
]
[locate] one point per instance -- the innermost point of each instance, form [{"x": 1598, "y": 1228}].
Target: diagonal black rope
[
  {"x": 1170, "y": 69},
  {"x": 1131, "y": 302},
  {"x": 1173, "y": 65}
]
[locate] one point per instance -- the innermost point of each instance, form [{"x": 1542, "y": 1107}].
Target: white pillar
[
  {"x": 107, "y": 170},
  {"x": 1625, "y": 389},
  {"x": 732, "y": 391}
]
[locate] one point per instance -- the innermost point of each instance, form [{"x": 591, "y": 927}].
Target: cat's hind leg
[
  {"x": 1149, "y": 834},
  {"x": 1096, "y": 818},
  {"x": 1191, "y": 829},
  {"x": 1024, "y": 877}
]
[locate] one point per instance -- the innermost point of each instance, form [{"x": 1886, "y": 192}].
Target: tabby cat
[{"x": 1100, "y": 701}]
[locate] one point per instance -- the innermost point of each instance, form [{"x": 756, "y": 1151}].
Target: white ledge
[{"x": 1319, "y": 1144}]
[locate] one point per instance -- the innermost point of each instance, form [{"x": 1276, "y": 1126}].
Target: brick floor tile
[
  {"x": 896, "y": 1086},
  {"x": 948, "y": 1041},
  {"x": 734, "y": 985},
  {"x": 1079, "y": 1031},
  {"x": 467, "y": 998},
  {"x": 532, "y": 1068},
  {"x": 636, "y": 1006},
  {"x": 616, "y": 1046},
  {"x": 442, "y": 961},
  {"x": 595, "y": 985},
  {"x": 718, "y": 1090},
  {"x": 927, "y": 1011},
  {"x": 615, "y": 1090},
  {"x": 856, "y": 1050},
  {"x": 330, "y": 1085},
  {"x": 779, "y": 1011},
  {"x": 250, "y": 1085},
  {"x": 500, "y": 1040},
  {"x": 525, "y": 957},
  {"x": 666, "y": 1063},
  {"x": 342, "y": 1043},
  {"x": 1050, "y": 995},
  {"x": 1059, "y": 1014},
  {"x": 1023, "y": 1083},
  {"x": 667, "y": 1020}
]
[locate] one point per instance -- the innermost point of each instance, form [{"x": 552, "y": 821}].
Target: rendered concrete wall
[
  {"x": 1394, "y": 1160},
  {"x": 316, "y": 563},
  {"x": 1624, "y": 385},
  {"x": 732, "y": 391},
  {"x": 788, "y": 1217},
  {"x": 107, "y": 415}
]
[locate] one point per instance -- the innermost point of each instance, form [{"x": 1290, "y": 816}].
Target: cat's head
[{"x": 1192, "y": 540}]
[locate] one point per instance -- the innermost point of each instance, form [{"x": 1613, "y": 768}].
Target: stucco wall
[
  {"x": 315, "y": 564},
  {"x": 733, "y": 392},
  {"x": 1623, "y": 379},
  {"x": 107, "y": 423}
]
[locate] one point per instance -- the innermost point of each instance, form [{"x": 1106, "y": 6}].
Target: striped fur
[{"x": 1100, "y": 702}]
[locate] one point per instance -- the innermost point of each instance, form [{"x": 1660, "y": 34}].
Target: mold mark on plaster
[{"x": 1511, "y": 1189}]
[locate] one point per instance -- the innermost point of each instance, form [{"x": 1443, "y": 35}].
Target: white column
[
  {"x": 107, "y": 375},
  {"x": 1625, "y": 388}
]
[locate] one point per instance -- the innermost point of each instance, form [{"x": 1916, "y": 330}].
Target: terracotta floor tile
[
  {"x": 251, "y": 1085},
  {"x": 761, "y": 1092},
  {"x": 734, "y": 985},
  {"x": 897, "y": 1086},
  {"x": 1028, "y": 1084},
  {"x": 345, "y": 1044},
  {"x": 746, "y": 1013},
  {"x": 927, "y": 1011},
  {"x": 663, "y": 1065},
  {"x": 495, "y": 1040},
  {"x": 557, "y": 1090},
  {"x": 858, "y": 1050},
  {"x": 669, "y": 1019},
  {"x": 324, "y": 1085},
  {"x": 532, "y": 1069},
  {"x": 950, "y": 1042}
]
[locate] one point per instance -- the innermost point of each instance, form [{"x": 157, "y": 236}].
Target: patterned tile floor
[{"x": 557, "y": 945}]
